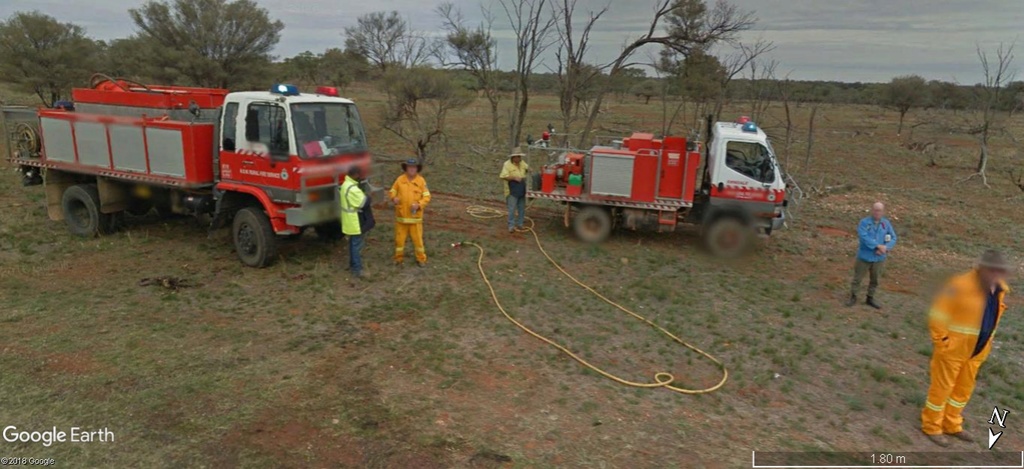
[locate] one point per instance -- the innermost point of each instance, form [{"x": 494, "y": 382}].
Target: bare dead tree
[
  {"x": 573, "y": 75},
  {"x": 735, "y": 63},
  {"x": 810, "y": 139},
  {"x": 762, "y": 77},
  {"x": 531, "y": 24},
  {"x": 988, "y": 97},
  {"x": 680, "y": 25},
  {"x": 473, "y": 49},
  {"x": 785, "y": 90}
]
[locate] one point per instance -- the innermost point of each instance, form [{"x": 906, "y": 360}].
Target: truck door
[
  {"x": 745, "y": 173},
  {"x": 258, "y": 148}
]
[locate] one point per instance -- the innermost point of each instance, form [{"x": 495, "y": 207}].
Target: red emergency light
[
  {"x": 742, "y": 120},
  {"x": 327, "y": 91}
]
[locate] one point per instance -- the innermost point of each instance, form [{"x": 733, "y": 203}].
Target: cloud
[{"x": 848, "y": 40}]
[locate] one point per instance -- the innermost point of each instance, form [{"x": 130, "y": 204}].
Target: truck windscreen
[{"x": 326, "y": 129}]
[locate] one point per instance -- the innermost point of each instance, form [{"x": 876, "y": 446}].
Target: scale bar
[{"x": 882, "y": 459}]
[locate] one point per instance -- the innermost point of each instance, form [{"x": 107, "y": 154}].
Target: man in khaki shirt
[{"x": 514, "y": 172}]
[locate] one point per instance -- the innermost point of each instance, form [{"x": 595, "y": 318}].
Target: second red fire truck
[{"x": 734, "y": 191}]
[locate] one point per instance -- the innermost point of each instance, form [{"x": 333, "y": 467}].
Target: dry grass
[{"x": 297, "y": 365}]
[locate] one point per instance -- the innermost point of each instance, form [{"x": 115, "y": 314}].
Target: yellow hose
[{"x": 662, "y": 379}]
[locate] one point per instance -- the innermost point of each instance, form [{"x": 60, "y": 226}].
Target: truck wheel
[
  {"x": 728, "y": 237},
  {"x": 593, "y": 224},
  {"x": 255, "y": 240},
  {"x": 81, "y": 206}
]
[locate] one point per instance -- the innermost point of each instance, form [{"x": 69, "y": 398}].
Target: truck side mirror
[{"x": 252, "y": 125}]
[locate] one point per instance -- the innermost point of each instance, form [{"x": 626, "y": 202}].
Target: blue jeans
[
  {"x": 355, "y": 254},
  {"x": 516, "y": 204}
]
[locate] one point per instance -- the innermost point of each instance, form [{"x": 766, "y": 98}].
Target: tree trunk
[
  {"x": 598, "y": 102},
  {"x": 789, "y": 130},
  {"x": 983, "y": 159},
  {"x": 899, "y": 131},
  {"x": 524, "y": 103},
  {"x": 494, "y": 119},
  {"x": 810, "y": 139}
]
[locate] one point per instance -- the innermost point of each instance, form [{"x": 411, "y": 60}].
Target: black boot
[
  {"x": 852, "y": 301},
  {"x": 872, "y": 303}
]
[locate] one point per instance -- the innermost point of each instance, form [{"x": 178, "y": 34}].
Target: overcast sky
[{"x": 846, "y": 40}]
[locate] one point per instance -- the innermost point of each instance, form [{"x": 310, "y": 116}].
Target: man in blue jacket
[{"x": 877, "y": 238}]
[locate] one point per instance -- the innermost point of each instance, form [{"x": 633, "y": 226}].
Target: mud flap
[
  {"x": 55, "y": 183},
  {"x": 114, "y": 196}
]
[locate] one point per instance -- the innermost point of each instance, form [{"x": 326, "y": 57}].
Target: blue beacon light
[{"x": 286, "y": 90}]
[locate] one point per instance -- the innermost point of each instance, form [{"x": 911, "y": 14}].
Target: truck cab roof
[
  {"x": 734, "y": 131},
  {"x": 301, "y": 98}
]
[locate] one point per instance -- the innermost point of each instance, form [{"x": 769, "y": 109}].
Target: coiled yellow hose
[{"x": 662, "y": 379}]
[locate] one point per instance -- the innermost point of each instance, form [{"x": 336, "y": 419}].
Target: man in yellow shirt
[
  {"x": 410, "y": 195},
  {"x": 962, "y": 322},
  {"x": 514, "y": 172}
]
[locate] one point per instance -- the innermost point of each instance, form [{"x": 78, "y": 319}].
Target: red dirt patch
[
  {"x": 70, "y": 363},
  {"x": 830, "y": 231},
  {"x": 281, "y": 440}
]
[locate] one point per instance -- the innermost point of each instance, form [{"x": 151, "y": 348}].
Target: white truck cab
[
  {"x": 282, "y": 124},
  {"x": 742, "y": 176}
]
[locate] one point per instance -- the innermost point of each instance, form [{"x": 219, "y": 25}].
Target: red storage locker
[
  {"x": 690, "y": 180},
  {"x": 639, "y": 141},
  {"x": 645, "y": 175},
  {"x": 673, "y": 167}
]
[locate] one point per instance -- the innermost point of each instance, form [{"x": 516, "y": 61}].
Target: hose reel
[{"x": 25, "y": 141}]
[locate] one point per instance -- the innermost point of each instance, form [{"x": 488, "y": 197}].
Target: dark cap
[
  {"x": 993, "y": 259},
  {"x": 412, "y": 161}
]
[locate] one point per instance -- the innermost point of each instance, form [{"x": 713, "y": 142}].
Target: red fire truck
[
  {"x": 643, "y": 181},
  {"x": 267, "y": 162}
]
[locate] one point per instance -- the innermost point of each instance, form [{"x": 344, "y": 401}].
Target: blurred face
[
  {"x": 992, "y": 276},
  {"x": 411, "y": 170},
  {"x": 516, "y": 159},
  {"x": 878, "y": 211}
]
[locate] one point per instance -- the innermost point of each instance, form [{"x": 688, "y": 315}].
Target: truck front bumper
[
  {"x": 313, "y": 213},
  {"x": 328, "y": 210},
  {"x": 779, "y": 221}
]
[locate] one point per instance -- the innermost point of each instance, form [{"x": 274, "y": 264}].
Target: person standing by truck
[
  {"x": 514, "y": 173},
  {"x": 876, "y": 237},
  {"x": 353, "y": 200},
  {"x": 410, "y": 195},
  {"x": 962, "y": 323}
]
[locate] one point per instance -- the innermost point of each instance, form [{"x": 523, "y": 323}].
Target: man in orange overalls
[
  {"x": 962, "y": 322},
  {"x": 410, "y": 196}
]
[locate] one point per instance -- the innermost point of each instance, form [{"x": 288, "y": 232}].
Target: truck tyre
[
  {"x": 81, "y": 207},
  {"x": 255, "y": 241},
  {"x": 593, "y": 224},
  {"x": 728, "y": 237}
]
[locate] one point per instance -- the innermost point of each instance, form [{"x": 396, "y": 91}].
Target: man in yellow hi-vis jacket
[
  {"x": 962, "y": 322},
  {"x": 352, "y": 201},
  {"x": 410, "y": 196}
]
